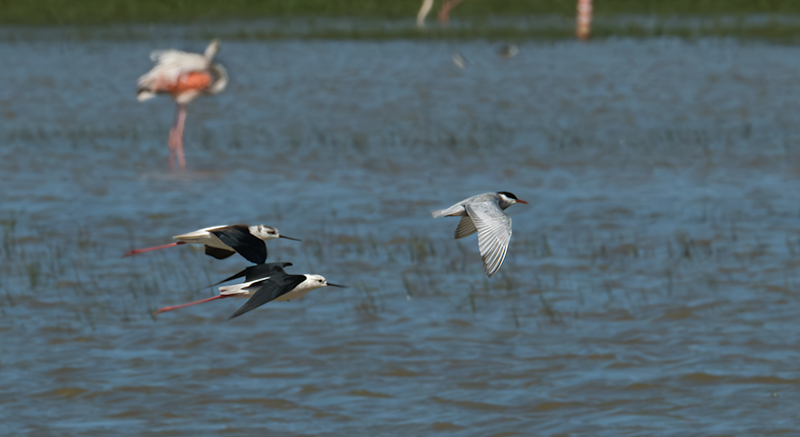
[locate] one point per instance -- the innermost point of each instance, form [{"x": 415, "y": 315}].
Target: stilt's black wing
[
  {"x": 270, "y": 289},
  {"x": 243, "y": 242},
  {"x": 257, "y": 272},
  {"x": 218, "y": 253},
  {"x": 265, "y": 270}
]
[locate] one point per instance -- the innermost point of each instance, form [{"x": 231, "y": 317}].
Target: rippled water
[{"x": 650, "y": 288}]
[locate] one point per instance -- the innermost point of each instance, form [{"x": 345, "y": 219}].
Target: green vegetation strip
[{"x": 83, "y": 12}]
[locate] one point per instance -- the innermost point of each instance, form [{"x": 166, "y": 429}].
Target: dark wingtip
[{"x": 235, "y": 315}]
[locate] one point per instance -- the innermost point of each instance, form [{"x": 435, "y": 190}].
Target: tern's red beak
[{"x": 522, "y": 201}]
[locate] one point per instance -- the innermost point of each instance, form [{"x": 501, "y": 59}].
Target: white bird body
[
  {"x": 509, "y": 51},
  {"x": 485, "y": 215},
  {"x": 172, "y": 64},
  {"x": 203, "y": 236},
  {"x": 174, "y": 67}
]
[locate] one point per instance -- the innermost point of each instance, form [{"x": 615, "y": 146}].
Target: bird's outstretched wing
[
  {"x": 466, "y": 227},
  {"x": 268, "y": 290},
  {"x": 218, "y": 253},
  {"x": 256, "y": 272},
  {"x": 494, "y": 233},
  {"x": 239, "y": 238}
]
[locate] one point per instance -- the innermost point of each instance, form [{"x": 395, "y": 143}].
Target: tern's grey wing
[
  {"x": 494, "y": 232},
  {"x": 459, "y": 210},
  {"x": 466, "y": 227}
]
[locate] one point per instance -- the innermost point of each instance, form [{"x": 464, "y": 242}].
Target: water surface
[{"x": 649, "y": 288}]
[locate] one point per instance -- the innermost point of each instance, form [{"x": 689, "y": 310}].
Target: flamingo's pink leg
[
  {"x": 584, "y": 20},
  {"x": 176, "y": 138}
]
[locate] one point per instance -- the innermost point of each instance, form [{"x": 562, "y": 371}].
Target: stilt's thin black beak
[
  {"x": 289, "y": 238},
  {"x": 335, "y": 285}
]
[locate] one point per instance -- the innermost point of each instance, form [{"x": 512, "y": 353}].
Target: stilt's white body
[
  {"x": 204, "y": 236},
  {"x": 238, "y": 290}
]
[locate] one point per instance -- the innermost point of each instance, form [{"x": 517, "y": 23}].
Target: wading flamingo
[{"x": 185, "y": 77}]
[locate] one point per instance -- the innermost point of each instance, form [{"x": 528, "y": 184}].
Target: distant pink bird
[{"x": 185, "y": 77}]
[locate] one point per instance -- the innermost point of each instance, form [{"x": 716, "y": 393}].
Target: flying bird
[
  {"x": 264, "y": 283},
  {"x": 459, "y": 60},
  {"x": 279, "y": 286},
  {"x": 508, "y": 51},
  {"x": 185, "y": 77},
  {"x": 250, "y": 274},
  {"x": 485, "y": 215},
  {"x": 223, "y": 241}
]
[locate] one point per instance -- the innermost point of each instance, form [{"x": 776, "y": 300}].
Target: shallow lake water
[{"x": 650, "y": 287}]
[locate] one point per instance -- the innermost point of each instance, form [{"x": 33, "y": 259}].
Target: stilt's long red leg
[
  {"x": 175, "y": 307},
  {"x": 135, "y": 251}
]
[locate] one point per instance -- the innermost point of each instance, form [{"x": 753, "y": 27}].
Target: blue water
[{"x": 649, "y": 288}]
